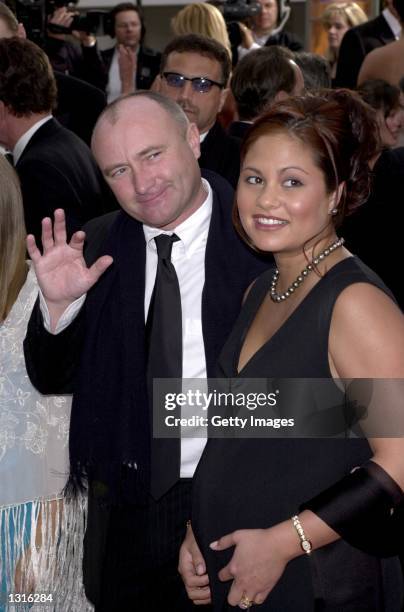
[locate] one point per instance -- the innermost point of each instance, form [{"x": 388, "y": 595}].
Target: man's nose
[
  {"x": 186, "y": 91},
  {"x": 143, "y": 181}
]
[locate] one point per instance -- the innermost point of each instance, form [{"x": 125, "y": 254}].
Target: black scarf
[{"x": 110, "y": 429}]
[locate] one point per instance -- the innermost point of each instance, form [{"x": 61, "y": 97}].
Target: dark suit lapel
[
  {"x": 44, "y": 132},
  {"x": 219, "y": 304},
  {"x": 384, "y": 32},
  {"x": 107, "y": 56}
]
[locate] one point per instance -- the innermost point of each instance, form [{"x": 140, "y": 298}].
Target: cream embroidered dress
[{"x": 41, "y": 533}]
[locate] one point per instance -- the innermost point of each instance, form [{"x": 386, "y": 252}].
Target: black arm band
[{"x": 365, "y": 508}]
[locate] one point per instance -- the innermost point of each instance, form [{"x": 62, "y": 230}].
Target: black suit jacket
[
  {"x": 79, "y": 105},
  {"x": 96, "y": 65},
  {"x": 57, "y": 170},
  {"x": 285, "y": 39},
  {"x": 356, "y": 44},
  {"x": 238, "y": 129},
  {"x": 374, "y": 231},
  {"x": 221, "y": 153}
]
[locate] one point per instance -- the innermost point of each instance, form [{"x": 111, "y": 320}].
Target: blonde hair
[
  {"x": 8, "y": 17},
  {"x": 13, "y": 267},
  {"x": 204, "y": 19},
  {"x": 350, "y": 11}
]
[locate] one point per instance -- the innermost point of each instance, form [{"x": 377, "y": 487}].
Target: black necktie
[{"x": 164, "y": 351}]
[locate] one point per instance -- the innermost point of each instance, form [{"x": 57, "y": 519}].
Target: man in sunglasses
[{"x": 194, "y": 73}]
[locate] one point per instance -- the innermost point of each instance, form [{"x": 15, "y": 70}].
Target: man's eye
[
  {"x": 117, "y": 172},
  {"x": 154, "y": 155},
  {"x": 292, "y": 183},
  {"x": 253, "y": 180}
]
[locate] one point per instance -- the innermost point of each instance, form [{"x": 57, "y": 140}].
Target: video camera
[
  {"x": 238, "y": 10},
  {"x": 33, "y": 14}
]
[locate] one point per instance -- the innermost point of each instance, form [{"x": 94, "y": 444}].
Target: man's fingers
[
  {"x": 99, "y": 267},
  {"x": 196, "y": 582},
  {"x": 198, "y": 561},
  {"x": 77, "y": 240},
  {"x": 47, "y": 234},
  {"x": 200, "y": 596},
  {"x": 33, "y": 251},
  {"x": 203, "y": 596},
  {"x": 59, "y": 227}
]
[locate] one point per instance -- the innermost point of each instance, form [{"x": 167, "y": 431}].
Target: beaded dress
[{"x": 41, "y": 533}]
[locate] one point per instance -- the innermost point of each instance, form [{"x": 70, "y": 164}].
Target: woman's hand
[
  {"x": 192, "y": 568},
  {"x": 259, "y": 560}
]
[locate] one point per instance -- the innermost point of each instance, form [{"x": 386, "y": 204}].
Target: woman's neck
[{"x": 291, "y": 264}]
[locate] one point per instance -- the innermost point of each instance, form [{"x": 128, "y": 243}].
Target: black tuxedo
[
  {"x": 238, "y": 129},
  {"x": 79, "y": 105},
  {"x": 96, "y": 65},
  {"x": 100, "y": 424},
  {"x": 57, "y": 170},
  {"x": 285, "y": 39},
  {"x": 221, "y": 153},
  {"x": 356, "y": 44},
  {"x": 374, "y": 231}
]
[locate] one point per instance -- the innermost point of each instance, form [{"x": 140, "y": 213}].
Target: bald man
[{"x": 95, "y": 340}]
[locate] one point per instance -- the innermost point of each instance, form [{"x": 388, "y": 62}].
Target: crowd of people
[{"x": 223, "y": 213}]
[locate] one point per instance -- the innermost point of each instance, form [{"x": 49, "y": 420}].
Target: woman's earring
[{"x": 334, "y": 211}]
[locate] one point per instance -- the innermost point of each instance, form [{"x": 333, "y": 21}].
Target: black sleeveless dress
[{"x": 256, "y": 483}]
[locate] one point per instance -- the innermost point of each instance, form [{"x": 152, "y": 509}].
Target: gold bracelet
[{"x": 305, "y": 544}]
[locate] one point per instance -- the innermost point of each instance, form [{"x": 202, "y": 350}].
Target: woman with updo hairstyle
[
  {"x": 41, "y": 532},
  {"x": 300, "y": 508}
]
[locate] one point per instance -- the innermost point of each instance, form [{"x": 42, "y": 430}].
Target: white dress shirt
[
  {"x": 188, "y": 258},
  {"x": 393, "y": 22}
]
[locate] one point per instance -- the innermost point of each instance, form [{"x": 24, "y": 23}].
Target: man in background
[
  {"x": 55, "y": 167},
  {"x": 194, "y": 73}
]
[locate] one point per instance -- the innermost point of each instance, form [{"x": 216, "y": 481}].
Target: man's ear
[
  {"x": 335, "y": 198},
  {"x": 193, "y": 139},
  {"x": 281, "y": 95},
  {"x": 21, "y": 33}
]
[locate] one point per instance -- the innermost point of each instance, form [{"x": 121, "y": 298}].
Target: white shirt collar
[
  {"x": 190, "y": 231},
  {"x": 25, "y": 138},
  {"x": 393, "y": 22}
]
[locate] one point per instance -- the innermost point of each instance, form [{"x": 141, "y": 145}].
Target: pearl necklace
[{"x": 280, "y": 297}]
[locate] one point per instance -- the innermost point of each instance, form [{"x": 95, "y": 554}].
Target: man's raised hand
[{"x": 62, "y": 272}]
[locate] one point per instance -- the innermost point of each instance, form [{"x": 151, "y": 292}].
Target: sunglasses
[{"x": 199, "y": 84}]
